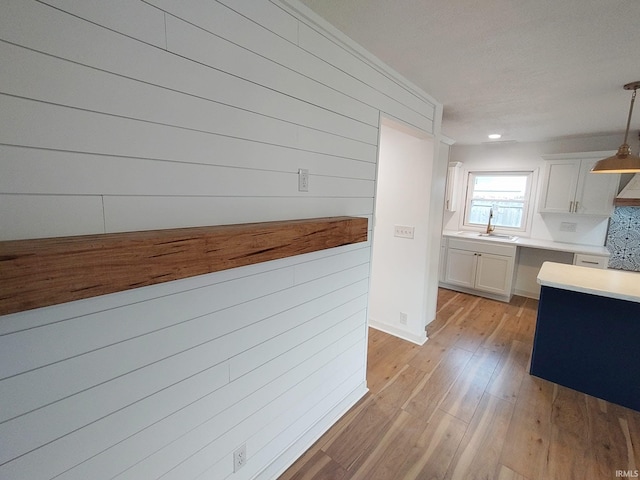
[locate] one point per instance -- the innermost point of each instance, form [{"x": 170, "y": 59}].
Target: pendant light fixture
[{"x": 623, "y": 161}]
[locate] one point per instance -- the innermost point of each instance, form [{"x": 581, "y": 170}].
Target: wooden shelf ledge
[{"x": 42, "y": 272}]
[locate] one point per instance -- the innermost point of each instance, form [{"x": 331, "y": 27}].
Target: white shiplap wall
[{"x": 130, "y": 115}]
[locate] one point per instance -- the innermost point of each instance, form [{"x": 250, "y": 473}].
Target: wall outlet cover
[
  {"x": 303, "y": 180},
  {"x": 568, "y": 226},
  {"x": 239, "y": 457}
]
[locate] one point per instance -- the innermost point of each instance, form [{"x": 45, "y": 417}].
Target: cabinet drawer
[
  {"x": 483, "y": 247},
  {"x": 593, "y": 261}
]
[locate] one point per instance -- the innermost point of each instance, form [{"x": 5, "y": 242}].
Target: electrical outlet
[
  {"x": 403, "y": 318},
  {"x": 239, "y": 457},
  {"x": 303, "y": 180},
  {"x": 403, "y": 231}
]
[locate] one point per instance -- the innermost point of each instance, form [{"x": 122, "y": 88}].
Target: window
[{"x": 506, "y": 194}]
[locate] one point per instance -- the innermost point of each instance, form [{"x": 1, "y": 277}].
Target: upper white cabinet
[
  {"x": 454, "y": 174},
  {"x": 569, "y": 187}
]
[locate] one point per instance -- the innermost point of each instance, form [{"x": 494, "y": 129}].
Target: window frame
[{"x": 527, "y": 202}]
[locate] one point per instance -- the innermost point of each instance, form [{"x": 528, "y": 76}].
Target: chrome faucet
[{"x": 490, "y": 228}]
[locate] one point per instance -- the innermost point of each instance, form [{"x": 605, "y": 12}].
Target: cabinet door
[
  {"x": 596, "y": 191},
  {"x": 443, "y": 260},
  {"x": 451, "y": 188},
  {"x": 494, "y": 273},
  {"x": 559, "y": 189},
  {"x": 461, "y": 268}
]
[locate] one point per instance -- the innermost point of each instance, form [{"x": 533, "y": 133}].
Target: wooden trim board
[
  {"x": 41, "y": 272},
  {"x": 627, "y": 202}
]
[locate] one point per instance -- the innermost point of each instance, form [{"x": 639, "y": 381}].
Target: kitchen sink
[{"x": 496, "y": 236}]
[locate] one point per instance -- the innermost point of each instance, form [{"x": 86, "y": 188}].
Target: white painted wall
[
  {"x": 398, "y": 280},
  {"x": 169, "y": 380},
  {"x": 589, "y": 230},
  {"x": 143, "y": 115}
]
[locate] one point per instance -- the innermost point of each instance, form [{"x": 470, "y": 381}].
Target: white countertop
[
  {"x": 534, "y": 243},
  {"x": 603, "y": 282}
]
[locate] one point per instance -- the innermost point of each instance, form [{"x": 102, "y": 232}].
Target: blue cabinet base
[{"x": 589, "y": 343}]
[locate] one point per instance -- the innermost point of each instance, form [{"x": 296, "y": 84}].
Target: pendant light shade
[{"x": 623, "y": 161}]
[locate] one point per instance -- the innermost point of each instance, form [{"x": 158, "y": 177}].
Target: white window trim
[{"x": 527, "y": 213}]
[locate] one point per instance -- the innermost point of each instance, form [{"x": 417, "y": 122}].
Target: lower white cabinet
[
  {"x": 480, "y": 267},
  {"x": 460, "y": 268},
  {"x": 494, "y": 273}
]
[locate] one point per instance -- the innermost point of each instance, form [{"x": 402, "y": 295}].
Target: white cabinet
[
  {"x": 494, "y": 273},
  {"x": 454, "y": 175},
  {"x": 569, "y": 187},
  {"x": 486, "y": 267},
  {"x": 461, "y": 268},
  {"x": 443, "y": 259}
]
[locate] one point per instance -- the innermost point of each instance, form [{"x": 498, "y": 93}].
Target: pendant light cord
[{"x": 633, "y": 99}]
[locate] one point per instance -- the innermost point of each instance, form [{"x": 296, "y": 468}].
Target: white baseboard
[
  {"x": 471, "y": 291},
  {"x": 311, "y": 436},
  {"x": 522, "y": 293},
  {"x": 396, "y": 332}
]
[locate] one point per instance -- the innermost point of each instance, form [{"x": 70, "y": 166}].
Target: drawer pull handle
[{"x": 590, "y": 262}]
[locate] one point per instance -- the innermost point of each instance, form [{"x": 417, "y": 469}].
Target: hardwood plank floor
[{"x": 464, "y": 406}]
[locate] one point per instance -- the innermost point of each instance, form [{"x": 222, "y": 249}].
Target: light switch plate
[{"x": 403, "y": 231}]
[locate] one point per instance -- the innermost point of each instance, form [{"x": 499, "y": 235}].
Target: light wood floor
[{"x": 464, "y": 406}]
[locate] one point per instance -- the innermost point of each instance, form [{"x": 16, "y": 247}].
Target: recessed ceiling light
[{"x": 495, "y": 136}]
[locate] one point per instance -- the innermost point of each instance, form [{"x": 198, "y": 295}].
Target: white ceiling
[{"x": 532, "y": 70}]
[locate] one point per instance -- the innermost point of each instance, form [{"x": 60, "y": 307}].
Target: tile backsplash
[{"x": 623, "y": 239}]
